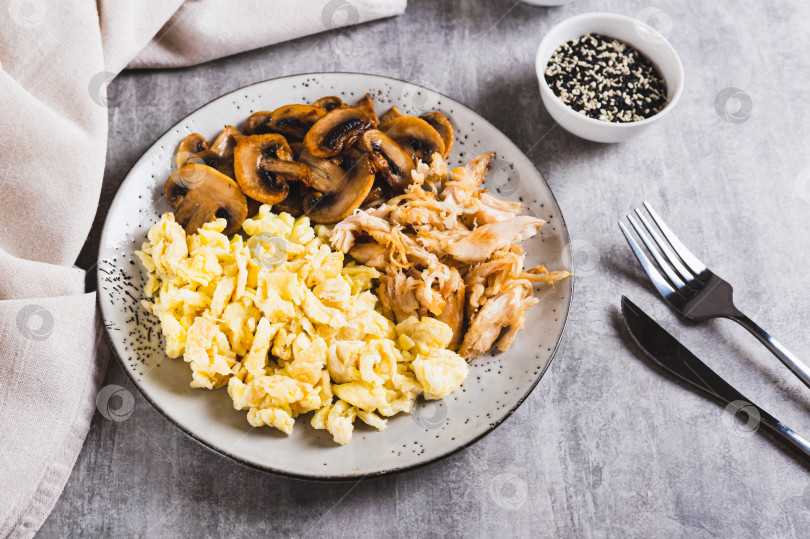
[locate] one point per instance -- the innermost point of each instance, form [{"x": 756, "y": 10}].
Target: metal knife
[{"x": 670, "y": 354}]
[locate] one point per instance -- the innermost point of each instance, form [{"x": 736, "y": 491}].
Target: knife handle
[
  {"x": 774, "y": 425},
  {"x": 712, "y": 383}
]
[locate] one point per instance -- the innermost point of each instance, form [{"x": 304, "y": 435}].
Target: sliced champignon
[
  {"x": 292, "y": 121},
  {"x": 296, "y": 148},
  {"x": 174, "y": 191},
  {"x": 199, "y": 194},
  {"x": 263, "y": 165},
  {"x": 256, "y": 122},
  {"x": 294, "y": 203},
  {"x": 340, "y": 128},
  {"x": 281, "y": 170},
  {"x": 218, "y": 155},
  {"x": 330, "y": 102},
  {"x": 332, "y": 207},
  {"x": 379, "y": 193},
  {"x": 189, "y": 147},
  {"x": 388, "y": 158},
  {"x": 442, "y": 125},
  {"x": 414, "y": 135},
  {"x": 225, "y": 143},
  {"x": 253, "y": 206},
  {"x": 390, "y": 114},
  {"x": 208, "y": 158},
  {"x": 326, "y": 175}
]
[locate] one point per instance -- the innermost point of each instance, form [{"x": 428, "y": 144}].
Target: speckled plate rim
[{"x": 563, "y": 231}]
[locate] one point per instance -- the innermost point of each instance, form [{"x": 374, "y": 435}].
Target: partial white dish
[
  {"x": 496, "y": 385},
  {"x": 634, "y": 32}
]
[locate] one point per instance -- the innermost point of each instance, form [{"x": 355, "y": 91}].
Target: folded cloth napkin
[{"x": 54, "y": 56}]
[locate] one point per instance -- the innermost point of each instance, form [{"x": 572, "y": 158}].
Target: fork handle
[{"x": 793, "y": 363}]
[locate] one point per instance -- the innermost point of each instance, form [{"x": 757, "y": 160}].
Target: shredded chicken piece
[
  {"x": 488, "y": 209},
  {"x": 417, "y": 254},
  {"x": 453, "y": 290},
  {"x": 432, "y": 299},
  {"x": 346, "y": 232},
  {"x": 371, "y": 254},
  {"x": 433, "y": 176},
  {"x": 423, "y": 212},
  {"x": 504, "y": 266},
  {"x": 464, "y": 181},
  {"x": 541, "y": 275},
  {"x": 507, "y": 309},
  {"x": 490, "y": 277},
  {"x": 437, "y": 241},
  {"x": 450, "y": 250},
  {"x": 399, "y": 248},
  {"x": 477, "y": 206},
  {"x": 484, "y": 240},
  {"x": 397, "y": 294}
]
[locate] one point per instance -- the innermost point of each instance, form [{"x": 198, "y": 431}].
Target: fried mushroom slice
[
  {"x": 296, "y": 147},
  {"x": 294, "y": 203},
  {"x": 388, "y": 158},
  {"x": 389, "y": 115},
  {"x": 225, "y": 142},
  {"x": 442, "y": 125},
  {"x": 379, "y": 193},
  {"x": 414, "y": 135},
  {"x": 256, "y": 122},
  {"x": 189, "y": 147},
  {"x": 264, "y": 166},
  {"x": 199, "y": 194},
  {"x": 292, "y": 121},
  {"x": 218, "y": 155},
  {"x": 326, "y": 175},
  {"x": 211, "y": 159},
  {"x": 175, "y": 190},
  {"x": 335, "y": 206},
  {"x": 330, "y": 102},
  {"x": 281, "y": 170},
  {"x": 253, "y": 206},
  {"x": 340, "y": 128},
  {"x": 208, "y": 158}
]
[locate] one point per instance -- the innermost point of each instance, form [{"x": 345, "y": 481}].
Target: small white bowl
[{"x": 634, "y": 32}]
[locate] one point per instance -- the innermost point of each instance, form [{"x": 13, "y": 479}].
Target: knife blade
[{"x": 666, "y": 351}]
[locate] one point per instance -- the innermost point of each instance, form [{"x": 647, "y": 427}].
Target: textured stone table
[{"x": 605, "y": 445}]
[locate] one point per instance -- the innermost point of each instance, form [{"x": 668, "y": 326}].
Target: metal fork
[{"x": 691, "y": 288}]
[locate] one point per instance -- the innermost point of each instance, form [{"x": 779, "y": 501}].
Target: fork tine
[
  {"x": 664, "y": 288},
  {"x": 668, "y": 252},
  {"x": 670, "y": 273},
  {"x": 686, "y": 255}
]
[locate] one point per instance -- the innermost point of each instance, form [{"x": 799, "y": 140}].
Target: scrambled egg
[{"x": 277, "y": 317}]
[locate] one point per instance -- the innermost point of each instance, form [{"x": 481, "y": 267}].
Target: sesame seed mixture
[{"x": 606, "y": 79}]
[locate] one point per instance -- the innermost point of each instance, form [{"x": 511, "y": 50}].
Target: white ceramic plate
[{"x": 497, "y": 383}]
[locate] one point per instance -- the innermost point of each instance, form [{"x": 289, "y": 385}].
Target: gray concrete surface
[{"x": 605, "y": 446}]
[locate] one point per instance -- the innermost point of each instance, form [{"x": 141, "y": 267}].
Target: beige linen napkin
[{"x": 54, "y": 57}]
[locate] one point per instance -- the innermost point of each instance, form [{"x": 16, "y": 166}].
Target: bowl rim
[
  {"x": 541, "y": 61},
  {"x": 316, "y": 478}
]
